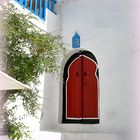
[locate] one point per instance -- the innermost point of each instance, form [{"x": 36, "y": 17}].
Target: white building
[{"x": 106, "y": 29}]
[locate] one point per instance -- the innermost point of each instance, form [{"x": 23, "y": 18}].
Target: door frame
[{"x": 62, "y": 102}]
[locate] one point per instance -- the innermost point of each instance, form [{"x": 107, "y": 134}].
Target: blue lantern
[{"x": 76, "y": 41}]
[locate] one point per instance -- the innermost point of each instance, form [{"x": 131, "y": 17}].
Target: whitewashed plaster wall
[{"x": 106, "y": 29}]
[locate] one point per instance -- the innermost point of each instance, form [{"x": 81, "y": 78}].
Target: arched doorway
[{"x": 81, "y": 89}]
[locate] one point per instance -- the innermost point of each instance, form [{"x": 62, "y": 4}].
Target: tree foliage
[{"x": 29, "y": 52}]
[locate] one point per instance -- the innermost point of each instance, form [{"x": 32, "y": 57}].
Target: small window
[{"x": 81, "y": 89}]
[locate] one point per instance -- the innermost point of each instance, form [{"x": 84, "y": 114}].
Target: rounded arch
[{"x": 80, "y": 88}]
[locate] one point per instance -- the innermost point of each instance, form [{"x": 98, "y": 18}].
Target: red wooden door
[
  {"x": 90, "y": 88},
  {"x": 74, "y": 90},
  {"x": 81, "y": 90}
]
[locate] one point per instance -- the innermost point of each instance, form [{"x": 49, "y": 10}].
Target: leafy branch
[{"x": 29, "y": 53}]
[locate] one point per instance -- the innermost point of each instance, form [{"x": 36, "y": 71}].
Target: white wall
[
  {"x": 88, "y": 136},
  {"x": 4, "y": 138},
  {"x": 106, "y": 29}
]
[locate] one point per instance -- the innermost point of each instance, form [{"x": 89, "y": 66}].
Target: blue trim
[
  {"x": 41, "y": 10},
  {"x": 30, "y": 5},
  {"x": 25, "y": 3},
  {"x": 44, "y": 10},
  {"x": 35, "y": 7},
  {"x": 22, "y": 2},
  {"x": 51, "y": 5},
  {"x": 48, "y": 4}
]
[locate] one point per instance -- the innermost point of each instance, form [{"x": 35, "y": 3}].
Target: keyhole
[
  {"x": 85, "y": 73},
  {"x": 77, "y": 74}
]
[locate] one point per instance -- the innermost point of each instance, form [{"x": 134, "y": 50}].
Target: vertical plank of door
[
  {"x": 90, "y": 89},
  {"x": 73, "y": 91}
]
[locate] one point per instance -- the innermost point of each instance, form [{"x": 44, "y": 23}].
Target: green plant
[{"x": 29, "y": 52}]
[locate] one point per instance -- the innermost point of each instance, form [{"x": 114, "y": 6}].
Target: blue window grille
[
  {"x": 38, "y": 7},
  {"x": 51, "y": 5}
]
